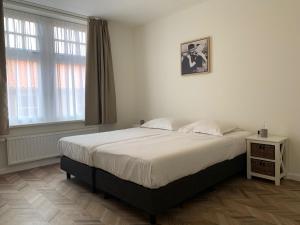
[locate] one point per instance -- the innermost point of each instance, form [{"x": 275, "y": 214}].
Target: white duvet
[
  {"x": 157, "y": 160},
  {"x": 81, "y": 147}
]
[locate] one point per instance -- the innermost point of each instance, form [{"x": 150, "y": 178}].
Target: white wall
[
  {"x": 255, "y": 74},
  {"x": 123, "y": 61}
]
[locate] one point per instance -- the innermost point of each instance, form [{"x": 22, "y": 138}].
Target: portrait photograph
[{"x": 195, "y": 56}]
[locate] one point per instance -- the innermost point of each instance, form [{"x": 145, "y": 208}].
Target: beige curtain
[
  {"x": 3, "y": 87},
  {"x": 100, "y": 97}
]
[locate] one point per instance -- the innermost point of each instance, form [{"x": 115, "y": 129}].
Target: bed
[{"x": 150, "y": 169}]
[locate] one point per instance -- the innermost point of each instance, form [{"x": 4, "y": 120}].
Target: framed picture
[{"x": 195, "y": 56}]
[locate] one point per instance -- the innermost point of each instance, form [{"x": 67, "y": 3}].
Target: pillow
[
  {"x": 208, "y": 127},
  {"x": 188, "y": 128},
  {"x": 164, "y": 124}
]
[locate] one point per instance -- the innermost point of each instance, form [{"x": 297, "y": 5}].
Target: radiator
[{"x": 23, "y": 149}]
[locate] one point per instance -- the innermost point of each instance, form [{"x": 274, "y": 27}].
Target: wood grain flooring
[{"x": 43, "y": 196}]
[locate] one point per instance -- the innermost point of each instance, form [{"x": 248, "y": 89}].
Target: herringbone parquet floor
[{"x": 43, "y": 196}]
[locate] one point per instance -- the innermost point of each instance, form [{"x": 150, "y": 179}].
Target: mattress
[
  {"x": 155, "y": 161},
  {"x": 81, "y": 147}
]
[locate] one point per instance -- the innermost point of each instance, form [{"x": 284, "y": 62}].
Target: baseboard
[
  {"x": 293, "y": 176},
  {"x": 27, "y": 166}
]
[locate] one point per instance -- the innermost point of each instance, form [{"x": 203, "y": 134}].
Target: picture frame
[{"x": 195, "y": 56}]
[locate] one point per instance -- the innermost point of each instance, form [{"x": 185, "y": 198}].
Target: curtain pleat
[
  {"x": 100, "y": 97},
  {"x": 3, "y": 80}
]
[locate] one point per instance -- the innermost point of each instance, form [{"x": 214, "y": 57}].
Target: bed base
[
  {"x": 81, "y": 171},
  {"x": 155, "y": 201}
]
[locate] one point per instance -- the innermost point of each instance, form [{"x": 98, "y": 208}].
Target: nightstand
[{"x": 265, "y": 157}]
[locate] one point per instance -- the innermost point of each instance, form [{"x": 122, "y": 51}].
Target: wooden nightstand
[{"x": 265, "y": 157}]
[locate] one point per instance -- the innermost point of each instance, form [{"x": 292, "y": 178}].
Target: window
[{"x": 45, "y": 68}]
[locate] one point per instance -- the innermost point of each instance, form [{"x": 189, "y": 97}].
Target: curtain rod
[{"x": 46, "y": 9}]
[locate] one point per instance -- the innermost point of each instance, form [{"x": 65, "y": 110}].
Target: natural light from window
[{"x": 45, "y": 69}]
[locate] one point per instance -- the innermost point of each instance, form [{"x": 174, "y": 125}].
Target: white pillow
[
  {"x": 208, "y": 127},
  {"x": 188, "y": 128},
  {"x": 164, "y": 124}
]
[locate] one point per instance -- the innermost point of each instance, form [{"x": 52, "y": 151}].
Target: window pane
[
  {"x": 59, "y": 33},
  {"x": 69, "y": 41},
  {"x": 23, "y": 91},
  {"x": 30, "y": 28},
  {"x": 82, "y": 50},
  {"x": 70, "y": 91},
  {"x": 59, "y": 47},
  {"x": 30, "y": 43},
  {"x": 70, "y": 35},
  {"x": 20, "y": 34},
  {"x": 11, "y": 41},
  {"x": 71, "y": 49},
  {"x": 82, "y": 37}
]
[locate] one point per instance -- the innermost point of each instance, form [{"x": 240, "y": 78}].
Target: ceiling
[{"x": 135, "y": 12}]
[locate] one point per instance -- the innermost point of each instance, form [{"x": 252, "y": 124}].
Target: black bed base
[
  {"x": 81, "y": 171},
  {"x": 154, "y": 201}
]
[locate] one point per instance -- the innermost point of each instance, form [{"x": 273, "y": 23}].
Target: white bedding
[
  {"x": 82, "y": 147},
  {"x": 154, "y": 161}
]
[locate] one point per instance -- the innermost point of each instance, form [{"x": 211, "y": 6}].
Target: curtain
[
  {"x": 3, "y": 81},
  {"x": 100, "y": 97},
  {"x": 45, "y": 61}
]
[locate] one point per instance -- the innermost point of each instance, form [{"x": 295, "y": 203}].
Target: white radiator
[{"x": 23, "y": 149}]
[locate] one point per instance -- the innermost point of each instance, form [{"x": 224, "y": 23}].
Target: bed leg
[
  {"x": 152, "y": 219},
  {"x": 107, "y": 196},
  {"x": 68, "y": 176},
  {"x": 94, "y": 190}
]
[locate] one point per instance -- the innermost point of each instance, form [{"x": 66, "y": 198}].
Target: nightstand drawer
[
  {"x": 263, "y": 167},
  {"x": 263, "y": 151}
]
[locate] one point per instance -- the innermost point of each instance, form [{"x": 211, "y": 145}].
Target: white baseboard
[
  {"x": 27, "y": 166},
  {"x": 293, "y": 176}
]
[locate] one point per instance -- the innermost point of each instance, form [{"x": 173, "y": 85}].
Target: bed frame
[
  {"x": 81, "y": 171},
  {"x": 154, "y": 201}
]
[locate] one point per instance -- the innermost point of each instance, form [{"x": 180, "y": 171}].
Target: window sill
[{"x": 47, "y": 124}]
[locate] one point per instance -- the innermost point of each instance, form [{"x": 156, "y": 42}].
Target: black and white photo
[{"x": 195, "y": 56}]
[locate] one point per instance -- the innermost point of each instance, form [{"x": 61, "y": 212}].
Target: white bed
[
  {"x": 154, "y": 161},
  {"x": 151, "y": 159},
  {"x": 81, "y": 147}
]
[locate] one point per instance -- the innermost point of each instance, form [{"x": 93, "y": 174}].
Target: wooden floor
[{"x": 43, "y": 196}]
